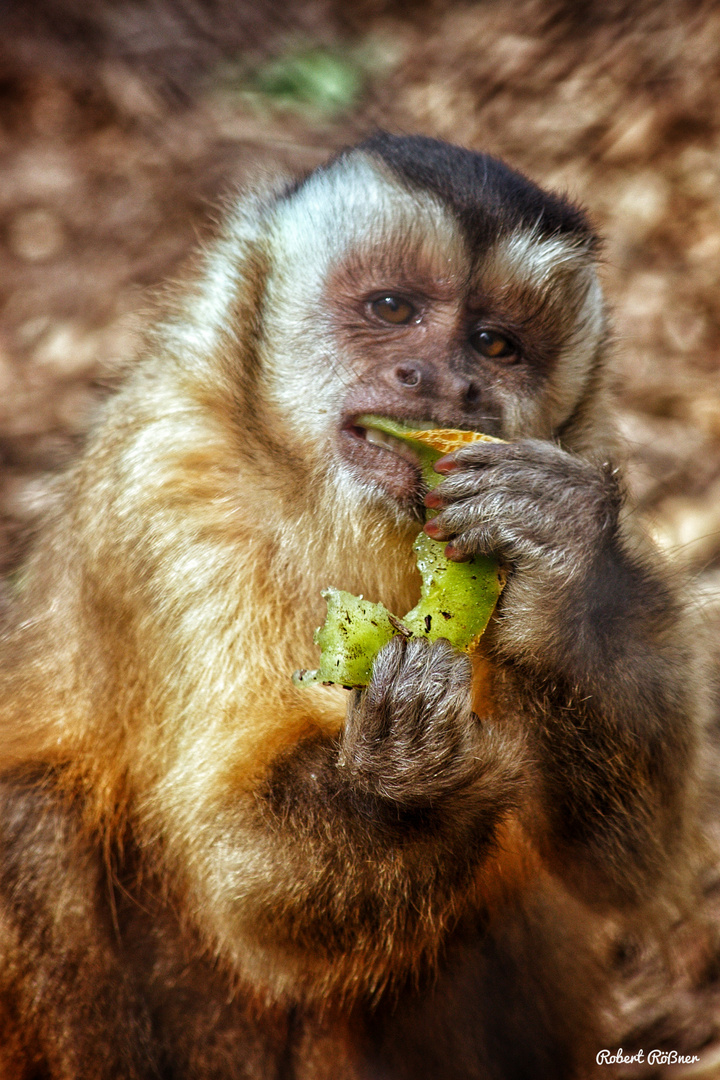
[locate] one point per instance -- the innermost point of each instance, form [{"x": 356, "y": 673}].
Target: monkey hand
[
  {"x": 550, "y": 515},
  {"x": 536, "y": 506},
  {"x": 411, "y": 737},
  {"x": 592, "y": 623}
]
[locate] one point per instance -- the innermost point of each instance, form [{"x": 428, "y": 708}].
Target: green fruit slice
[
  {"x": 456, "y": 599},
  {"x": 352, "y": 635}
]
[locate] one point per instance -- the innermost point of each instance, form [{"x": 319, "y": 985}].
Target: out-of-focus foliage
[{"x": 309, "y": 80}]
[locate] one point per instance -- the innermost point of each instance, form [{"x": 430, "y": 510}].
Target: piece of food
[
  {"x": 352, "y": 635},
  {"x": 429, "y": 444},
  {"x": 456, "y": 599}
]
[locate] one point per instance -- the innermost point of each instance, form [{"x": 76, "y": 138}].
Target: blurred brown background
[{"x": 124, "y": 123}]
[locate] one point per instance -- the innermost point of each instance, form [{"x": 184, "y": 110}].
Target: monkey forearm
[
  {"x": 615, "y": 802},
  {"x": 609, "y": 686},
  {"x": 612, "y": 633},
  {"x": 382, "y": 830}
]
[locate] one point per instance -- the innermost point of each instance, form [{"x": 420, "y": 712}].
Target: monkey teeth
[{"x": 389, "y": 442}]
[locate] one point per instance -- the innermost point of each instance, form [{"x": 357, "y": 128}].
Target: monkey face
[{"x": 462, "y": 296}]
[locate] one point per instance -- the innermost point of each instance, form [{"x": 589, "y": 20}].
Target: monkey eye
[
  {"x": 493, "y": 345},
  {"x": 393, "y": 309}
]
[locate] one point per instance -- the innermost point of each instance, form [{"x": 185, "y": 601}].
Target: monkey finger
[
  {"x": 456, "y": 554},
  {"x": 399, "y": 668},
  {"x": 387, "y": 668},
  {"x": 434, "y": 501},
  {"x": 480, "y": 508},
  {"x": 436, "y": 531},
  {"x": 475, "y": 541},
  {"x": 475, "y": 456},
  {"x": 518, "y": 449},
  {"x": 462, "y": 459},
  {"x": 462, "y": 486},
  {"x": 446, "y": 465},
  {"x": 536, "y": 455},
  {"x": 452, "y": 520},
  {"x": 509, "y": 488}
]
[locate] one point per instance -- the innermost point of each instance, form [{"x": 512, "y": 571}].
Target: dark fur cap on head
[{"x": 488, "y": 197}]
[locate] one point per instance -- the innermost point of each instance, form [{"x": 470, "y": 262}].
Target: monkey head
[{"x": 433, "y": 285}]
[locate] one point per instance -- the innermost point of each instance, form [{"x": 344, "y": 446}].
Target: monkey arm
[
  {"x": 387, "y": 824},
  {"x": 615, "y": 729},
  {"x": 590, "y": 640}
]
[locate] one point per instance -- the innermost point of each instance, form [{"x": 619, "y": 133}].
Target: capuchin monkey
[{"x": 209, "y": 872}]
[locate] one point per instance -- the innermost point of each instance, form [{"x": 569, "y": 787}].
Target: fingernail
[
  {"x": 434, "y": 530},
  {"x": 446, "y": 465},
  {"x": 455, "y": 555},
  {"x": 434, "y": 501}
]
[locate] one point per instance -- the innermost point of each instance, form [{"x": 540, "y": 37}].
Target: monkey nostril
[
  {"x": 408, "y": 374},
  {"x": 472, "y": 394}
]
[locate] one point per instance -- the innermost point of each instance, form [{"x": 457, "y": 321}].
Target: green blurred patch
[{"x": 314, "y": 78}]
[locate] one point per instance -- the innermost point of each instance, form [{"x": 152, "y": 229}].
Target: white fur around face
[
  {"x": 529, "y": 258},
  {"x": 530, "y": 261},
  {"x": 576, "y": 363},
  {"x": 207, "y": 318},
  {"x": 354, "y": 206}
]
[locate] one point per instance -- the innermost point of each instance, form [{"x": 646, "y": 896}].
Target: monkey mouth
[
  {"x": 388, "y": 442},
  {"x": 384, "y": 459}
]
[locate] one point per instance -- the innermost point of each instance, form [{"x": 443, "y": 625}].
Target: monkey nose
[{"x": 423, "y": 378}]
